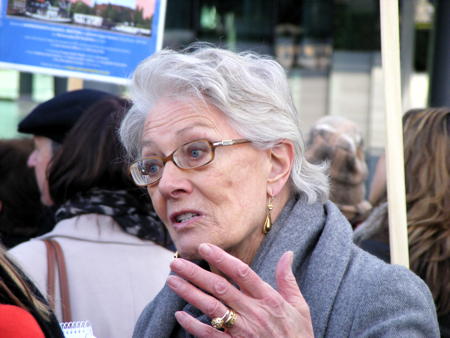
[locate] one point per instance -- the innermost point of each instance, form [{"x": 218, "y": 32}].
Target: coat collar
[
  {"x": 93, "y": 228},
  {"x": 320, "y": 238}
]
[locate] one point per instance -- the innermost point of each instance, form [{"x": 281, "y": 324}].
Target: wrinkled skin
[{"x": 261, "y": 310}]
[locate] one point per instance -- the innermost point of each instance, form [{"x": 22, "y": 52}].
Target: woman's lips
[{"x": 184, "y": 219}]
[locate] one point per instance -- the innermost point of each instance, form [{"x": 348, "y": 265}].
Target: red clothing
[{"x": 15, "y": 322}]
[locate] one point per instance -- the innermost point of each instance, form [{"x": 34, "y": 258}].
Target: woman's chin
[
  {"x": 188, "y": 252},
  {"x": 189, "y": 255},
  {"x": 187, "y": 246}
]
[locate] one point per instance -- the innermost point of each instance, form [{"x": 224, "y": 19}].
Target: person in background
[
  {"x": 377, "y": 190},
  {"x": 338, "y": 142},
  {"x": 22, "y": 216},
  {"x": 24, "y": 312},
  {"x": 215, "y": 138},
  {"x": 113, "y": 242},
  {"x": 427, "y": 172},
  {"x": 49, "y": 123}
]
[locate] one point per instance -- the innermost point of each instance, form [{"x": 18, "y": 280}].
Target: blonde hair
[
  {"x": 427, "y": 170},
  {"x": 15, "y": 290}
]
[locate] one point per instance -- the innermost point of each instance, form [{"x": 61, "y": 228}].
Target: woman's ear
[{"x": 281, "y": 158}]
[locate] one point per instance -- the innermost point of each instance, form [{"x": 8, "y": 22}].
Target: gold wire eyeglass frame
[{"x": 212, "y": 145}]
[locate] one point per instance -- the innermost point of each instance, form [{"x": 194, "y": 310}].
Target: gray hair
[{"x": 251, "y": 90}]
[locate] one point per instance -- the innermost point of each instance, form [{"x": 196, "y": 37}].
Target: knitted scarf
[{"x": 133, "y": 215}]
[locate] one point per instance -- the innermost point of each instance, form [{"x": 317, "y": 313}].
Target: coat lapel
[{"x": 320, "y": 238}]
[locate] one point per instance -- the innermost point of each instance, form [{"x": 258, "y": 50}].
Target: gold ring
[
  {"x": 230, "y": 320},
  {"x": 218, "y": 322}
]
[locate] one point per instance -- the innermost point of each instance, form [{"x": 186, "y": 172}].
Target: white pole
[
  {"x": 161, "y": 24},
  {"x": 395, "y": 172}
]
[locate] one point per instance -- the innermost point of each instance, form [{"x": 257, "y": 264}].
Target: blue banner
[{"x": 88, "y": 39}]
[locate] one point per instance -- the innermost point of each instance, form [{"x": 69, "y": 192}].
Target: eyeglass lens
[{"x": 188, "y": 156}]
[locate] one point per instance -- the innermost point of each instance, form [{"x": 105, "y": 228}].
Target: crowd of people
[{"x": 193, "y": 208}]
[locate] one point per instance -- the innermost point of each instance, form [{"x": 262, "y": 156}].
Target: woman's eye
[
  {"x": 149, "y": 168},
  {"x": 153, "y": 169},
  {"x": 196, "y": 153},
  {"x": 196, "y": 150}
]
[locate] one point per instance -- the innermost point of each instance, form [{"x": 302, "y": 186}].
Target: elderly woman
[{"x": 216, "y": 141}]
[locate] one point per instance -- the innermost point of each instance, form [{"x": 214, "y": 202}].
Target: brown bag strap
[
  {"x": 50, "y": 274},
  {"x": 57, "y": 256}
]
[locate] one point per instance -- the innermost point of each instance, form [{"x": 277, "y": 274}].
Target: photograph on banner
[
  {"x": 132, "y": 17},
  {"x": 91, "y": 39}
]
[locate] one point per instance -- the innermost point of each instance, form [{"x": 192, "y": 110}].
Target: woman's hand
[{"x": 261, "y": 310}]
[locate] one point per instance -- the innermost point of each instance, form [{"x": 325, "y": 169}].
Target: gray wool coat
[{"x": 350, "y": 292}]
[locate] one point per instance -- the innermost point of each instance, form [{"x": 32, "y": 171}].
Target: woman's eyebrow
[
  {"x": 147, "y": 144},
  {"x": 193, "y": 126}
]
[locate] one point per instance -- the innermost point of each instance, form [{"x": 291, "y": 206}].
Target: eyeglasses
[{"x": 191, "y": 155}]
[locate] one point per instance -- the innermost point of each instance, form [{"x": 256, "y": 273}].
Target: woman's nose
[
  {"x": 31, "y": 162},
  {"x": 173, "y": 181}
]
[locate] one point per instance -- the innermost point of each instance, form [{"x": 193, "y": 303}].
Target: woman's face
[
  {"x": 223, "y": 203},
  {"x": 39, "y": 160}
]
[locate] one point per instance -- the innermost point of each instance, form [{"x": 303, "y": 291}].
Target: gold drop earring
[{"x": 268, "y": 222}]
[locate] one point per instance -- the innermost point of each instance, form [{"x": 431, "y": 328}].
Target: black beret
[{"x": 54, "y": 118}]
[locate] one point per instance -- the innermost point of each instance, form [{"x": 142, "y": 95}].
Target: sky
[{"x": 126, "y": 3}]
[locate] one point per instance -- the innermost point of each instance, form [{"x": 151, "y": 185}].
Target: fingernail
[
  {"x": 291, "y": 258},
  {"x": 290, "y": 275},
  {"x": 180, "y": 316},
  {"x": 205, "y": 249},
  {"x": 173, "y": 282},
  {"x": 176, "y": 264}
]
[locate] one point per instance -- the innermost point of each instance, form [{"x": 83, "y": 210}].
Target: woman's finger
[
  {"x": 209, "y": 305},
  {"x": 248, "y": 280},
  {"x": 290, "y": 291},
  {"x": 212, "y": 283},
  {"x": 205, "y": 303},
  {"x": 197, "y": 328},
  {"x": 286, "y": 281}
]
